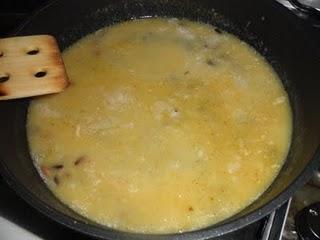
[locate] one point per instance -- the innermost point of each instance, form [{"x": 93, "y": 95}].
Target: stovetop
[{"x": 276, "y": 226}]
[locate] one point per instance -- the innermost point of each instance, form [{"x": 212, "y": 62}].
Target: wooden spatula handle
[{"x": 30, "y": 66}]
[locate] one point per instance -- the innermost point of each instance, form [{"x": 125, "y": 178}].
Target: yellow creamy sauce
[{"x": 167, "y": 126}]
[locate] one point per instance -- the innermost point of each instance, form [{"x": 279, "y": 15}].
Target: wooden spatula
[{"x": 30, "y": 66}]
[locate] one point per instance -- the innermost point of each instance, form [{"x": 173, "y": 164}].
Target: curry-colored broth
[{"x": 168, "y": 126}]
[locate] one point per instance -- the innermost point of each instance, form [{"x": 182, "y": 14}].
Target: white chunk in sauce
[{"x": 167, "y": 126}]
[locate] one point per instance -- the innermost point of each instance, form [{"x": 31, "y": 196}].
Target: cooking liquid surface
[{"x": 168, "y": 126}]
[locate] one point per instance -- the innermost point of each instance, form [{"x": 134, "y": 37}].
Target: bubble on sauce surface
[
  {"x": 119, "y": 99},
  {"x": 233, "y": 167},
  {"x": 46, "y": 111},
  {"x": 279, "y": 100}
]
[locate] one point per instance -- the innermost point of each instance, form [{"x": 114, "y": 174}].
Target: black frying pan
[{"x": 266, "y": 25}]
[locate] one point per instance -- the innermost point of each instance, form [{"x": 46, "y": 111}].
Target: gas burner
[{"x": 303, "y": 220}]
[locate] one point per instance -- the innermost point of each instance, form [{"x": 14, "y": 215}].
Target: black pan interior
[{"x": 265, "y": 25}]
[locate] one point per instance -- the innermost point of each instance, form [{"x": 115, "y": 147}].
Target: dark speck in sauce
[
  {"x": 79, "y": 160},
  {"x": 57, "y": 166},
  {"x": 210, "y": 62},
  {"x": 56, "y": 180},
  {"x": 218, "y": 30}
]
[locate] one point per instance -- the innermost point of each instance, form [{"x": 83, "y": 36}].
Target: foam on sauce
[{"x": 167, "y": 126}]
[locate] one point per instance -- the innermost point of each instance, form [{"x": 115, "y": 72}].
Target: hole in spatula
[
  {"x": 4, "y": 77},
  {"x": 40, "y": 74},
  {"x": 33, "y": 51},
  {"x": 1, "y": 54}
]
